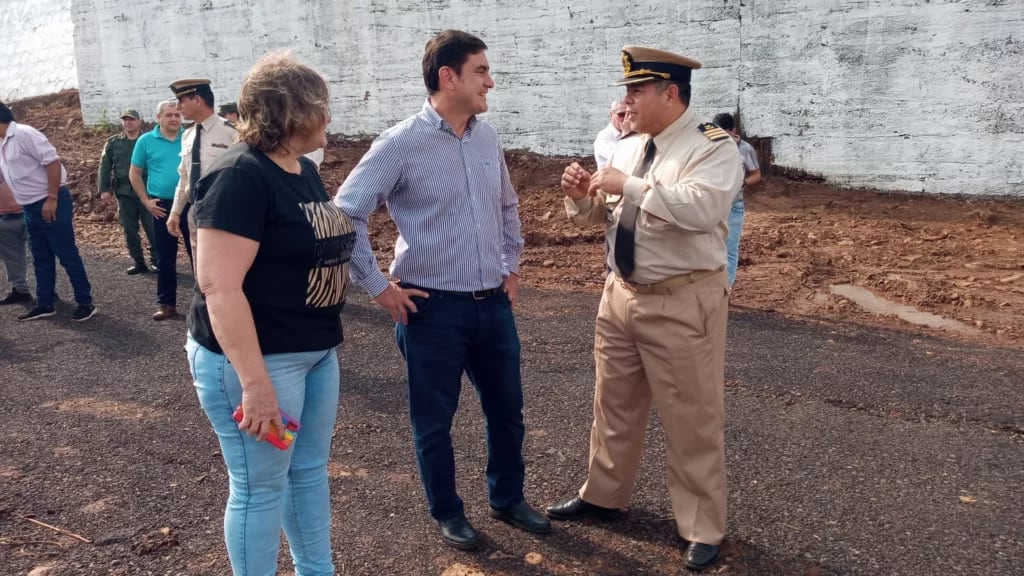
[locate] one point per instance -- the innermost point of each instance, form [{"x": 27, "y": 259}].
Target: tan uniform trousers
[{"x": 669, "y": 346}]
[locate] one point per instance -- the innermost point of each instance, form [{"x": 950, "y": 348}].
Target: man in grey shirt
[
  {"x": 12, "y": 247},
  {"x": 751, "y": 176}
]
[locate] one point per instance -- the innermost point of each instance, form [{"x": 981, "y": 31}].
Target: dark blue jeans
[
  {"x": 51, "y": 241},
  {"x": 167, "y": 255},
  {"x": 449, "y": 335}
]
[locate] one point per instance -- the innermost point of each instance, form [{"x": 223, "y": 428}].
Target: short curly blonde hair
[{"x": 281, "y": 98}]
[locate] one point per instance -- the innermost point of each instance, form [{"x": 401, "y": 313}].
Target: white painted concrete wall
[
  {"x": 551, "y": 62},
  {"x": 902, "y": 94},
  {"x": 38, "y": 48},
  {"x": 898, "y": 94}
]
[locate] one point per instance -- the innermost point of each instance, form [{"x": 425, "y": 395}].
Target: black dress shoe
[
  {"x": 458, "y": 533},
  {"x": 523, "y": 517},
  {"x": 137, "y": 269},
  {"x": 699, "y": 556},
  {"x": 576, "y": 509}
]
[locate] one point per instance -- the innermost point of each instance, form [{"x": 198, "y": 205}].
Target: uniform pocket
[{"x": 653, "y": 223}]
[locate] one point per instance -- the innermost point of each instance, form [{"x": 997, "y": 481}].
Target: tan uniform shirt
[
  {"x": 217, "y": 136},
  {"x": 684, "y": 200}
]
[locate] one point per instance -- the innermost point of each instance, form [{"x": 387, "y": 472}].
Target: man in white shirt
[
  {"x": 30, "y": 166},
  {"x": 604, "y": 145}
]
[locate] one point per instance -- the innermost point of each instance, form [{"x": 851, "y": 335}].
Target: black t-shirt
[{"x": 296, "y": 285}]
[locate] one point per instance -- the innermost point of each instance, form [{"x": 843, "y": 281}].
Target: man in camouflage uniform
[{"x": 113, "y": 184}]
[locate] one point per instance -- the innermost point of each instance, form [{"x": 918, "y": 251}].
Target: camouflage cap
[{"x": 131, "y": 113}]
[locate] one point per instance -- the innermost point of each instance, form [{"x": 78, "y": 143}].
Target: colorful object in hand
[{"x": 275, "y": 437}]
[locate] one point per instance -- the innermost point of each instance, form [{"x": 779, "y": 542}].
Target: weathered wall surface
[
  {"x": 551, "y": 62},
  {"x": 38, "y": 48},
  {"x": 902, "y": 95}
]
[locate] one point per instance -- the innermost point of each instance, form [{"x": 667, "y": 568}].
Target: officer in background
[
  {"x": 113, "y": 184},
  {"x": 201, "y": 144},
  {"x": 229, "y": 112},
  {"x": 660, "y": 329}
]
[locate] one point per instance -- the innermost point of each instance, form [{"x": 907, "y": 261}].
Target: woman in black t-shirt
[{"x": 272, "y": 267}]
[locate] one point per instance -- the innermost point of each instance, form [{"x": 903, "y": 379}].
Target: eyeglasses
[{"x": 620, "y": 114}]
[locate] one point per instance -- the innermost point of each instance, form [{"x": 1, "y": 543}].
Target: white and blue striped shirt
[{"x": 452, "y": 200}]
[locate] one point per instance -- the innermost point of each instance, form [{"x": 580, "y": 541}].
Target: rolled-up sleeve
[{"x": 40, "y": 148}]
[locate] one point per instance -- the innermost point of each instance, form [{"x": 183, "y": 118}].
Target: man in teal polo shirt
[{"x": 157, "y": 155}]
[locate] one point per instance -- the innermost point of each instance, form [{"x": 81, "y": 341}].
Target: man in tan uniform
[
  {"x": 201, "y": 145},
  {"x": 660, "y": 330}
]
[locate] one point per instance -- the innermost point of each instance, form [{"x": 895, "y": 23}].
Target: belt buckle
[{"x": 480, "y": 294}]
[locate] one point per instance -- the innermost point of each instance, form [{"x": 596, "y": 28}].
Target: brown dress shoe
[{"x": 165, "y": 312}]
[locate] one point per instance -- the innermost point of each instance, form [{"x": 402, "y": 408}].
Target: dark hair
[
  {"x": 684, "y": 89},
  {"x": 724, "y": 121},
  {"x": 6, "y": 116},
  {"x": 206, "y": 93},
  {"x": 449, "y": 48},
  {"x": 207, "y": 97}
]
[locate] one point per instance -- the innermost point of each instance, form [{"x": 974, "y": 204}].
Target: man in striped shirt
[{"x": 443, "y": 177}]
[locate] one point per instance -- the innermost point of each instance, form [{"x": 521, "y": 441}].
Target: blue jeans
[
  {"x": 55, "y": 240},
  {"x": 732, "y": 243},
  {"x": 270, "y": 488},
  {"x": 167, "y": 255},
  {"x": 449, "y": 335}
]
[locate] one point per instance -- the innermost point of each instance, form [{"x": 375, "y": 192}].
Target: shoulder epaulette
[
  {"x": 229, "y": 124},
  {"x": 712, "y": 131}
]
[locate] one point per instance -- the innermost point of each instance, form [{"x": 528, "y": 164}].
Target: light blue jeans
[
  {"x": 732, "y": 242},
  {"x": 270, "y": 488}
]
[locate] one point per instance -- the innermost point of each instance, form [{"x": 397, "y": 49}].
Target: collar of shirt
[
  {"x": 12, "y": 128},
  {"x": 672, "y": 130},
  {"x": 211, "y": 121},
  {"x": 434, "y": 119},
  {"x": 160, "y": 135}
]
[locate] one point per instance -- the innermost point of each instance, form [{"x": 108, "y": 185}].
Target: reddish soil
[{"x": 951, "y": 256}]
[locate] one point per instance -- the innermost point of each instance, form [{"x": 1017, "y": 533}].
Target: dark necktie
[
  {"x": 193, "y": 173},
  {"x": 625, "y": 233}
]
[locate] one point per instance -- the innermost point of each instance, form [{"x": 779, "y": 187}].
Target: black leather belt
[{"x": 475, "y": 295}]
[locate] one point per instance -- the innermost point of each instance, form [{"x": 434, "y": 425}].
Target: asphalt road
[{"x": 850, "y": 450}]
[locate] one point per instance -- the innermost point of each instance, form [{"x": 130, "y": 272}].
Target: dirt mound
[{"x": 955, "y": 257}]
